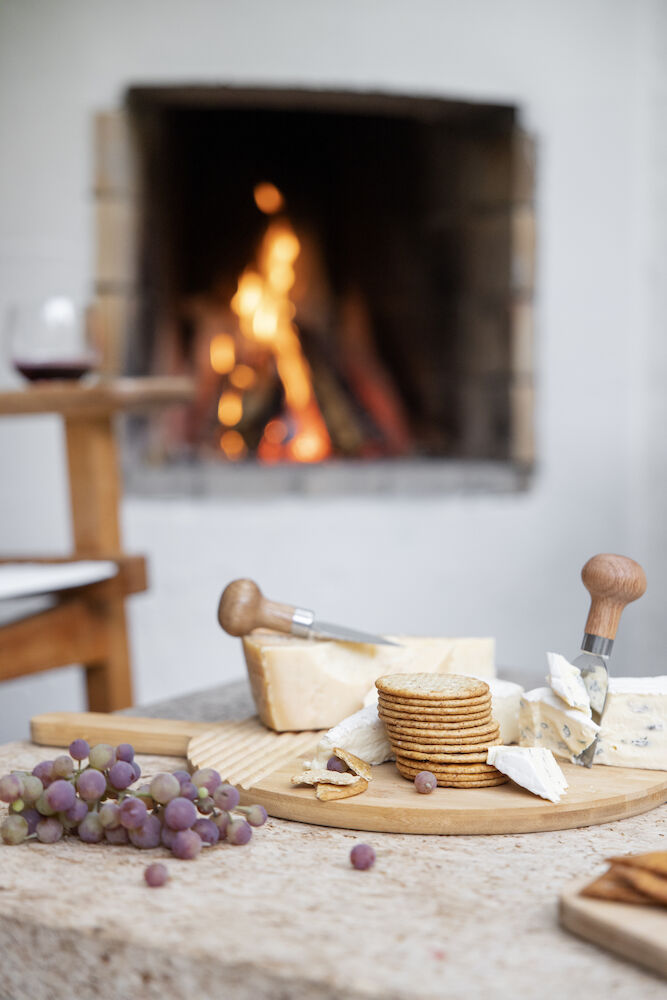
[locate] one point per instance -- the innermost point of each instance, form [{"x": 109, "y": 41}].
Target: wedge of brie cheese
[
  {"x": 546, "y": 721},
  {"x": 362, "y": 734},
  {"x": 566, "y": 681},
  {"x": 533, "y": 768},
  {"x": 302, "y": 684},
  {"x": 634, "y": 725}
]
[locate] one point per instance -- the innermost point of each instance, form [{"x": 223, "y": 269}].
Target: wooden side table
[{"x": 88, "y": 625}]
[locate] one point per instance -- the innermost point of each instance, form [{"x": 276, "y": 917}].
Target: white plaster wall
[{"x": 586, "y": 74}]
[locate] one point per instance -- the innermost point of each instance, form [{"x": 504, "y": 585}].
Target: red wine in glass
[{"x": 41, "y": 371}]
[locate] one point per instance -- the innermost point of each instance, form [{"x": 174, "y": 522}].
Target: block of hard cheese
[
  {"x": 634, "y": 725},
  {"x": 309, "y": 684}
]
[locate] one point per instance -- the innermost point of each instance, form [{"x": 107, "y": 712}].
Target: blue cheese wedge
[
  {"x": 634, "y": 725},
  {"x": 362, "y": 734},
  {"x": 534, "y": 768},
  {"x": 546, "y": 721},
  {"x": 566, "y": 681}
]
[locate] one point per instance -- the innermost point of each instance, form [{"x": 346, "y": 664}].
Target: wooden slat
[
  {"x": 72, "y": 399},
  {"x": 72, "y": 632},
  {"x": 131, "y": 579},
  {"x": 94, "y": 485},
  {"x": 163, "y": 736}
]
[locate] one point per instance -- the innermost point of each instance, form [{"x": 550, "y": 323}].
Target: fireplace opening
[{"x": 348, "y": 276}]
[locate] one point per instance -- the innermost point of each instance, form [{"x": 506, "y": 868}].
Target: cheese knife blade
[
  {"x": 243, "y": 608},
  {"x": 612, "y": 581}
]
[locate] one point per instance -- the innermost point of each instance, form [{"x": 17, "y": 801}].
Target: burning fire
[{"x": 266, "y": 319}]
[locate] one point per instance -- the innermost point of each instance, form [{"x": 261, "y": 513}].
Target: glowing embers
[{"x": 265, "y": 314}]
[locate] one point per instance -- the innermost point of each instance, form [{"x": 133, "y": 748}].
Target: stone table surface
[{"x": 287, "y": 916}]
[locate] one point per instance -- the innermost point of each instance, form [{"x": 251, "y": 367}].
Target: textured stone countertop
[{"x": 456, "y": 918}]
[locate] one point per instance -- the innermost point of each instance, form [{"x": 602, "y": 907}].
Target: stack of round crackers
[{"x": 440, "y": 723}]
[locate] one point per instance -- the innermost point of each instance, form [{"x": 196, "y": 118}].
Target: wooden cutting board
[
  {"x": 262, "y": 762},
  {"x": 638, "y": 933}
]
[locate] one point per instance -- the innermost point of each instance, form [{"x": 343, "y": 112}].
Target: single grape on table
[{"x": 92, "y": 793}]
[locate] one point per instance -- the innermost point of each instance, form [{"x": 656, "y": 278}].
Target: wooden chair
[{"x": 87, "y": 625}]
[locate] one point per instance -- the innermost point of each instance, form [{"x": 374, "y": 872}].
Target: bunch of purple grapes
[{"x": 96, "y": 802}]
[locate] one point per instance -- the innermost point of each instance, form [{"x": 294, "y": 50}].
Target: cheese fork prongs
[
  {"x": 612, "y": 581},
  {"x": 243, "y": 608}
]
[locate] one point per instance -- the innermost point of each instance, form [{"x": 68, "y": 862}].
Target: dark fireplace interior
[{"x": 339, "y": 271}]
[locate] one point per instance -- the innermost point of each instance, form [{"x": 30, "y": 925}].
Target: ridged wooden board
[
  {"x": 638, "y": 933},
  {"x": 262, "y": 762}
]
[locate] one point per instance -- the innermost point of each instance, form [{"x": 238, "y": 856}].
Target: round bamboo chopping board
[{"x": 262, "y": 763}]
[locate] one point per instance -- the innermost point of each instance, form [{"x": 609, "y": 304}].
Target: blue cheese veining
[
  {"x": 546, "y": 721},
  {"x": 634, "y": 725}
]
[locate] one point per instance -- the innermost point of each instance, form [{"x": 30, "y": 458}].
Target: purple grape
[
  {"x": 60, "y": 795},
  {"x": 221, "y": 820},
  {"x": 44, "y": 771},
  {"x": 189, "y": 791},
  {"x": 362, "y": 856},
  {"x": 125, "y": 751},
  {"x": 14, "y": 829},
  {"x": 63, "y": 766},
  {"x": 180, "y": 813},
  {"x": 335, "y": 764},
  {"x": 167, "y": 836},
  {"x": 133, "y": 813},
  {"x": 77, "y": 812},
  {"x": 165, "y": 787},
  {"x": 136, "y": 769},
  {"x": 256, "y": 815},
  {"x": 156, "y": 875},
  {"x": 79, "y": 749},
  {"x": 109, "y": 814},
  {"x": 187, "y": 845},
  {"x": 102, "y": 756},
  {"x": 91, "y": 830},
  {"x": 207, "y": 830},
  {"x": 207, "y": 778},
  {"x": 11, "y": 788},
  {"x": 181, "y": 776},
  {"x": 121, "y": 775},
  {"x": 32, "y": 818},
  {"x": 148, "y": 834},
  {"x": 425, "y": 782},
  {"x": 49, "y": 830},
  {"x": 239, "y": 832},
  {"x": 91, "y": 785},
  {"x": 32, "y": 789},
  {"x": 226, "y": 797},
  {"x": 42, "y": 806},
  {"x": 116, "y": 836}
]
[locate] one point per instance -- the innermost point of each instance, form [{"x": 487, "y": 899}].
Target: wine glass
[{"x": 49, "y": 339}]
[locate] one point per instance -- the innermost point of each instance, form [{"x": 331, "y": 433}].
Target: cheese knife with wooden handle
[
  {"x": 612, "y": 581},
  {"x": 243, "y": 608}
]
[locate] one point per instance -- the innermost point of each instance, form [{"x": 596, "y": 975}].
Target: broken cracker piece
[
  {"x": 325, "y": 793},
  {"x": 653, "y": 887},
  {"x": 355, "y": 764},
  {"x": 610, "y": 887},
  {"x": 654, "y": 861},
  {"x": 319, "y": 775}
]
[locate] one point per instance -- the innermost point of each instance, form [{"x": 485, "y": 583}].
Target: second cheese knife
[{"x": 243, "y": 608}]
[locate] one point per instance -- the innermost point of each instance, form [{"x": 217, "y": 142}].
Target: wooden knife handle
[
  {"x": 612, "y": 581},
  {"x": 160, "y": 736},
  {"x": 243, "y": 608}
]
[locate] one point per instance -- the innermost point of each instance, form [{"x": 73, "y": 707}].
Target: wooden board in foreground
[
  {"x": 262, "y": 762},
  {"x": 638, "y": 933}
]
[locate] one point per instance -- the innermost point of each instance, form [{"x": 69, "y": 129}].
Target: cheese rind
[
  {"x": 533, "y": 768},
  {"x": 545, "y": 721},
  {"x": 565, "y": 680},
  {"x": 362, "y": 734},
  {"x": 300, "y": 684},
  {"x": 634, "y": 725}
]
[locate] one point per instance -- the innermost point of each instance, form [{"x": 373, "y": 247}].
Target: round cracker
[
  {"x": 441, "y": 746},
  {"x": 423, "y": 711},
  {"x": 464, "y": 725},
  {"x": 448, "y": 703},
  {"x": 472, "y": 770},
  {"x": 432, "y": 686},
  {"x": 443, "y": 782},
  {"x": 457, "y": 755},
  {"x": 448, "y": 734}
]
